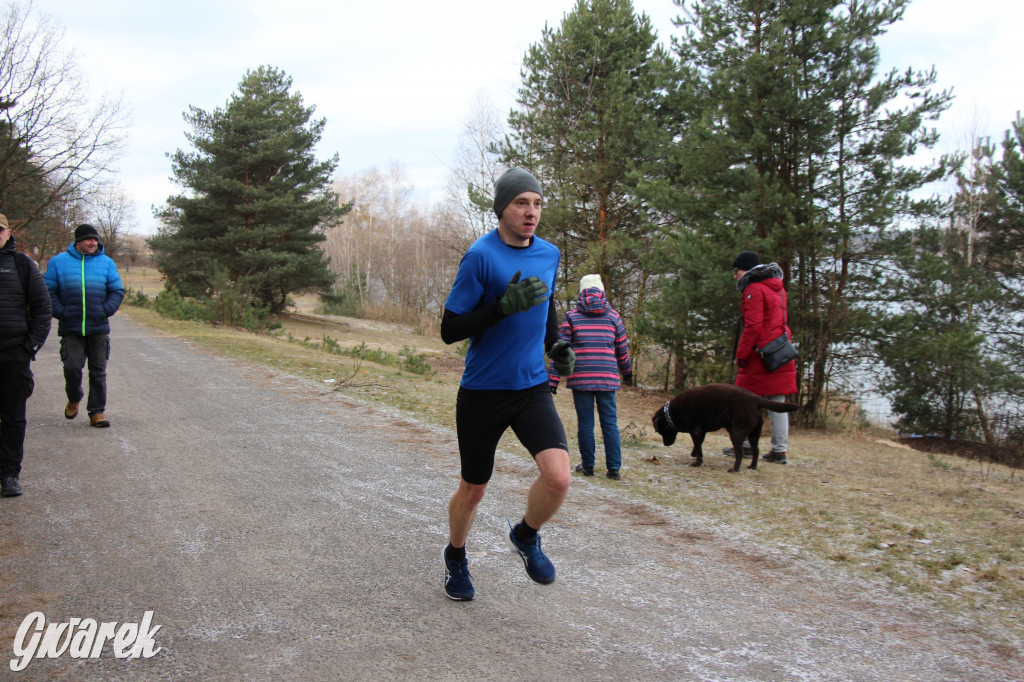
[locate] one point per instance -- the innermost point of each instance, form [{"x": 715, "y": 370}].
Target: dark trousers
[
  {"x": 15, "y": 388},
  {"x": 75, "y": 351}
]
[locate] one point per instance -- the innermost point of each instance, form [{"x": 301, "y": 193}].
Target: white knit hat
[{"x": 591, "y": 282}]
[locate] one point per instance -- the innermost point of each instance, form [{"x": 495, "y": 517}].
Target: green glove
[
  {"x": 563, "y": 358},
  {"x": 523, "y": 295}
]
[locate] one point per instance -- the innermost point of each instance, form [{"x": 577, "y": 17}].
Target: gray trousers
[
  {"x": 76, "y": 351},
  {"x": 780, "y": 426}
]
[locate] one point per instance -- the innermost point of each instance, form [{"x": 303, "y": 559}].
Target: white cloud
[
  {"x": 973, "y": 48},
  {"x": 395, "y": 79}
]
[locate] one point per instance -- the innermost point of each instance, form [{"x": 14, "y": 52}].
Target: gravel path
[{"x": 280, "y": 531}]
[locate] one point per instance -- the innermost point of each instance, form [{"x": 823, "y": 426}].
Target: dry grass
[
  {"x": 941, "y": 527},
  {"x": 148, "y": 280}
]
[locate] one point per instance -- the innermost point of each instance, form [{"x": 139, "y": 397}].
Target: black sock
[
  {"x": 455, "y": 553},
  {"x": 524, "y": 532}
]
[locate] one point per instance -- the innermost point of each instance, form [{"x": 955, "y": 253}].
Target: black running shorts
[{"x": 481, "y": 417}]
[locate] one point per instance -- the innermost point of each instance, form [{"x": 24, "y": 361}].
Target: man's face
[
  {"x": 519, "y": 220},
  {"x": 88, "y": 246},
  {"x": 736, "y": 273},
  {"x": 5, "y": 234}
]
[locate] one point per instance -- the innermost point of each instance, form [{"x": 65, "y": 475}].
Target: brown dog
[{"x": 698, "y": 411}]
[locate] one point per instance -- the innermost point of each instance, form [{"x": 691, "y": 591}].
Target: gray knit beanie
[{"x": 511, "y": 184}]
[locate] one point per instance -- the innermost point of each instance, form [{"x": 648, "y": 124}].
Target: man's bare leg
[
  {"x": 549, "y": 490},
  {"x": 546, "y": 495},
  {"x": 462, "y": 511},
  {"x": 458, "y": 584}
]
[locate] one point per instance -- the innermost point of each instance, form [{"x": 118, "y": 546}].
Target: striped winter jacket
[
  {"x": 598, "y": 337},
  {"x": 85, "y": 291}
]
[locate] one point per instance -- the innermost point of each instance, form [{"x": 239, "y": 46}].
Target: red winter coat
[{"x": 764, "y": 319}]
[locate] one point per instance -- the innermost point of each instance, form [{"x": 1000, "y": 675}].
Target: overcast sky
[{"x": 396, "y": 79}]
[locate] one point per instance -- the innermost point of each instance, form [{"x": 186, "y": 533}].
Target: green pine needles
[{"x": 256, "y": 200}]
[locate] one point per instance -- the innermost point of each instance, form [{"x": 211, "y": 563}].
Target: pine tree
[
  {"x": 1001, "y": 223},
  {"x": 588, "y": 110},
  {"x": 1004, "y": 221},
  {"x": 23, "y": 186},
  {"x": 789, "y": 143},
  {"x": 943, "y": 368},
  {"x": 257, "y": 200}
]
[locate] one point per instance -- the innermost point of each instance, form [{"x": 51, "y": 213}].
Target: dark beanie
[
  {"x": 747, "y": 260},
  {"x": 511, "y": 184},
  {"x": 86, "y": 231}
]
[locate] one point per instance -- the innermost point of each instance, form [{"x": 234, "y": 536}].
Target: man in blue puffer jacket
[{"x": 85, "y": 290}]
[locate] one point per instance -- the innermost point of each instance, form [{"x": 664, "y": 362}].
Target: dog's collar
[{"x": 668, "y": 417}]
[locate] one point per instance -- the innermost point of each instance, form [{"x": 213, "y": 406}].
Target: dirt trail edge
[{"x": 277, "y": 530}]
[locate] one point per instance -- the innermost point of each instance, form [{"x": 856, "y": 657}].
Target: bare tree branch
[
  {"x": 56, "y": 144},
  {"x": 114, "y": 217}
]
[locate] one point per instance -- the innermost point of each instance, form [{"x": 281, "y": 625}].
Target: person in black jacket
[{"x": 25, "y": 314}]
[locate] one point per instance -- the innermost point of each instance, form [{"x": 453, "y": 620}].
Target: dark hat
[
  {"x": 747, "y": 260},
  {"x": 86, "y": 231},
  {"x": 511, "y": 184}
]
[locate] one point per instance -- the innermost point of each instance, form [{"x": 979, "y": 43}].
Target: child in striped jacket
[{"x": 599, "y": 340}]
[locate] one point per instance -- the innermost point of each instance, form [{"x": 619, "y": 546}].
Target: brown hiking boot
[
  {"x": 71, "y": 411},
  {"x": 98, "y": 420}
]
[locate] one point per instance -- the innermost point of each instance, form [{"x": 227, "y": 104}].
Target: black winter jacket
[{"x": 25, "y": 315}]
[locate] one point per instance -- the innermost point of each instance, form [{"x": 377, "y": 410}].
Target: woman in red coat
[{"x": 764, "y": 319}]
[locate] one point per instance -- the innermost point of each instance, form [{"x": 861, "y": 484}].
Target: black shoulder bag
[{"x": 778, "y": 352}]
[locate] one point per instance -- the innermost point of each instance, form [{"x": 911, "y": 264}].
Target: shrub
[
  {"x": 407, "y": 359},
  {"x": 169, "y": 303},
  {"x": 233, "y": 307},
  {"x": 229, "y": 307},
  {"x": 136, "y": 298},
  {"x": 416, "y": 363}
]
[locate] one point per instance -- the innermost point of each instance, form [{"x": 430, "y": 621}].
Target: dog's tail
[{"x": 776, "y": 407}]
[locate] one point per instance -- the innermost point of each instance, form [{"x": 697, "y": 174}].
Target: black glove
[
  {"x": 522, "y": 295},
  {"x": 563, "y": 358},
  {"x": 30, "y": 349},
  {"x": 627, "y": 378}
]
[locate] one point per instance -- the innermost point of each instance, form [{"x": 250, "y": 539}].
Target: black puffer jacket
[{"x": 21, "y": 335}]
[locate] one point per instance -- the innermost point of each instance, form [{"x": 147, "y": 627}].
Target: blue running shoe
[
  {"x": 538, "y": 567},
  {"x": 458, "y": 584}
]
